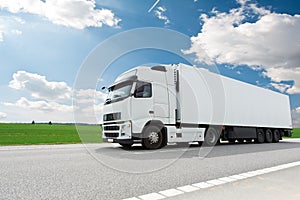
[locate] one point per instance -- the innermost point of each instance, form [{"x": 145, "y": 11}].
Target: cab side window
[{"x": 143, "y": 90}]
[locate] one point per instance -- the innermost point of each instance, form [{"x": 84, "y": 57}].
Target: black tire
[
  {"x": 276, "y": 136},
  {"x": 200, "y": 143},
  {"x": 126, "y": 145},
  {"x": 152, "y": 137},
  {"x": 269, "y": 136},
  {"x": 260, "y": 134},
  {"x": 212, "y": 137}
]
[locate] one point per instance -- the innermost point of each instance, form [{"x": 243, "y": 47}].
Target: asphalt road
[
  {"x": 283, "y": 184},
  {"x": 106, "y": 171}
]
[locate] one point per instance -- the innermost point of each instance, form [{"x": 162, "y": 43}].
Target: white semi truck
[{"x": 180, "y": 103}]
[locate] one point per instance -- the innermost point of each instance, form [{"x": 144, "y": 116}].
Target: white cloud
[
  {"x": 21, "y": 114},
  {"x": 39, "y": 87},
  {"x": 1, "y": 35},
  {"x": 88, "y": 96},
  {"x": 16, "y": 31},
  {"x": 78, "y": 14},
  {"x": 3, "y": 115},
  {"x": 95, "y": 109},
  {"x": 89, "y": 104},
  {"x": 53, "y": 99},
  {"x": 9, "y": 25},
  {"x": 271, "y": 41},
  {"x": 282, "y": 87},
  {"x": 41, "y": 105},
  {"x": 280, "y": 73},
  {"x": 159, "y": 13}
]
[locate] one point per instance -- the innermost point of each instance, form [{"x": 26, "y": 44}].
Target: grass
[
  {"x": 296, "y": 133},
  {"x": 22, "y": 134}
]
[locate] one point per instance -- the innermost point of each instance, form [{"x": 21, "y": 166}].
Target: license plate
[{"x": 110, "y": 140}]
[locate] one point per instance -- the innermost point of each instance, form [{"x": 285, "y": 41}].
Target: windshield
[{"x": 119, "y": 91}]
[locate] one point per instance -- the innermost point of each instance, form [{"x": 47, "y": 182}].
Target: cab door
[{"x": 141, "y": 105}]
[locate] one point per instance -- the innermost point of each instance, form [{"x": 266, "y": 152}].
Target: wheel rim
[
  {"x": 211, "y": 137},
  {"x": 153, "y": 137}
]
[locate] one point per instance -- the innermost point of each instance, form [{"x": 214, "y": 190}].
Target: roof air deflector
[{"x": 159, "y": 68}]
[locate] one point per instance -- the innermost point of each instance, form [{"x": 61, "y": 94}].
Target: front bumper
[{"x": 116, "y": 131}]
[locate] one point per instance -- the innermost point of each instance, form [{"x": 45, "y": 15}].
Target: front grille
[
  {"x": 111, "y": 128},
  {"x": 111, "y": 134}
]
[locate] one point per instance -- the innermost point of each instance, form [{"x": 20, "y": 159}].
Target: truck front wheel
[
  {"x": 152, "y": 137},
  {"x": 211, "y": 137}
]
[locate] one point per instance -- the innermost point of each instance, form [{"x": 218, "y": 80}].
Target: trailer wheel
[
  {"x": 212, "y": 137},
  {"x": 153, "y": 137},
  {"x": 269, "y": 136},
  {"x": 260, "y": 136},
  {"x": 276, "y": 136}
]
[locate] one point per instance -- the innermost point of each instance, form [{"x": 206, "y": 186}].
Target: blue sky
[{"x": 44, "y": 43}]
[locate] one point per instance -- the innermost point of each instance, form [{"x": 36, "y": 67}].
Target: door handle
[{"x": 151, "y": 112}]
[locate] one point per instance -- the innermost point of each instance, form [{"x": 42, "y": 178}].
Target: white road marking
[
  {"x": 227, "y": 179},
  {"x": 203, "y": 185},
  {"x": 247, "y": 175},
  {"x": 238, "y": 177},
  {"x": 188, "y": 188},
  {"x": 212, "y": 183},
  {"x": 215, "y": 182},
  {"x": 133, "y": 198},
  {"x": 152, "y": 196},
  {"x": 171, "y": 192}
]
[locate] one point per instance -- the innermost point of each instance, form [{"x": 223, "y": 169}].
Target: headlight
[{"x": 126, "y": 128}]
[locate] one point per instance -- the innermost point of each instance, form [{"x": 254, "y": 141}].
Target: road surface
[{"x": 107, "y": 171}]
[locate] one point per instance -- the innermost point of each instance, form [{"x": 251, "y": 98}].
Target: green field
[
  {"x": 21, "y": 134},
  {"x": 296, "y": 133},
  {"x": 15, "y": 134}
]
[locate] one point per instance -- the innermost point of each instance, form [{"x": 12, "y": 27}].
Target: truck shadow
[{"x": 175, "y": 151}]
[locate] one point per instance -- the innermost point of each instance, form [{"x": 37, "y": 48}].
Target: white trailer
[{"x": 180, "y": 103}]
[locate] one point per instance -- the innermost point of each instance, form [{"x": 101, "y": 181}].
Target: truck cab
[{"x": 139, "y": 104}]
